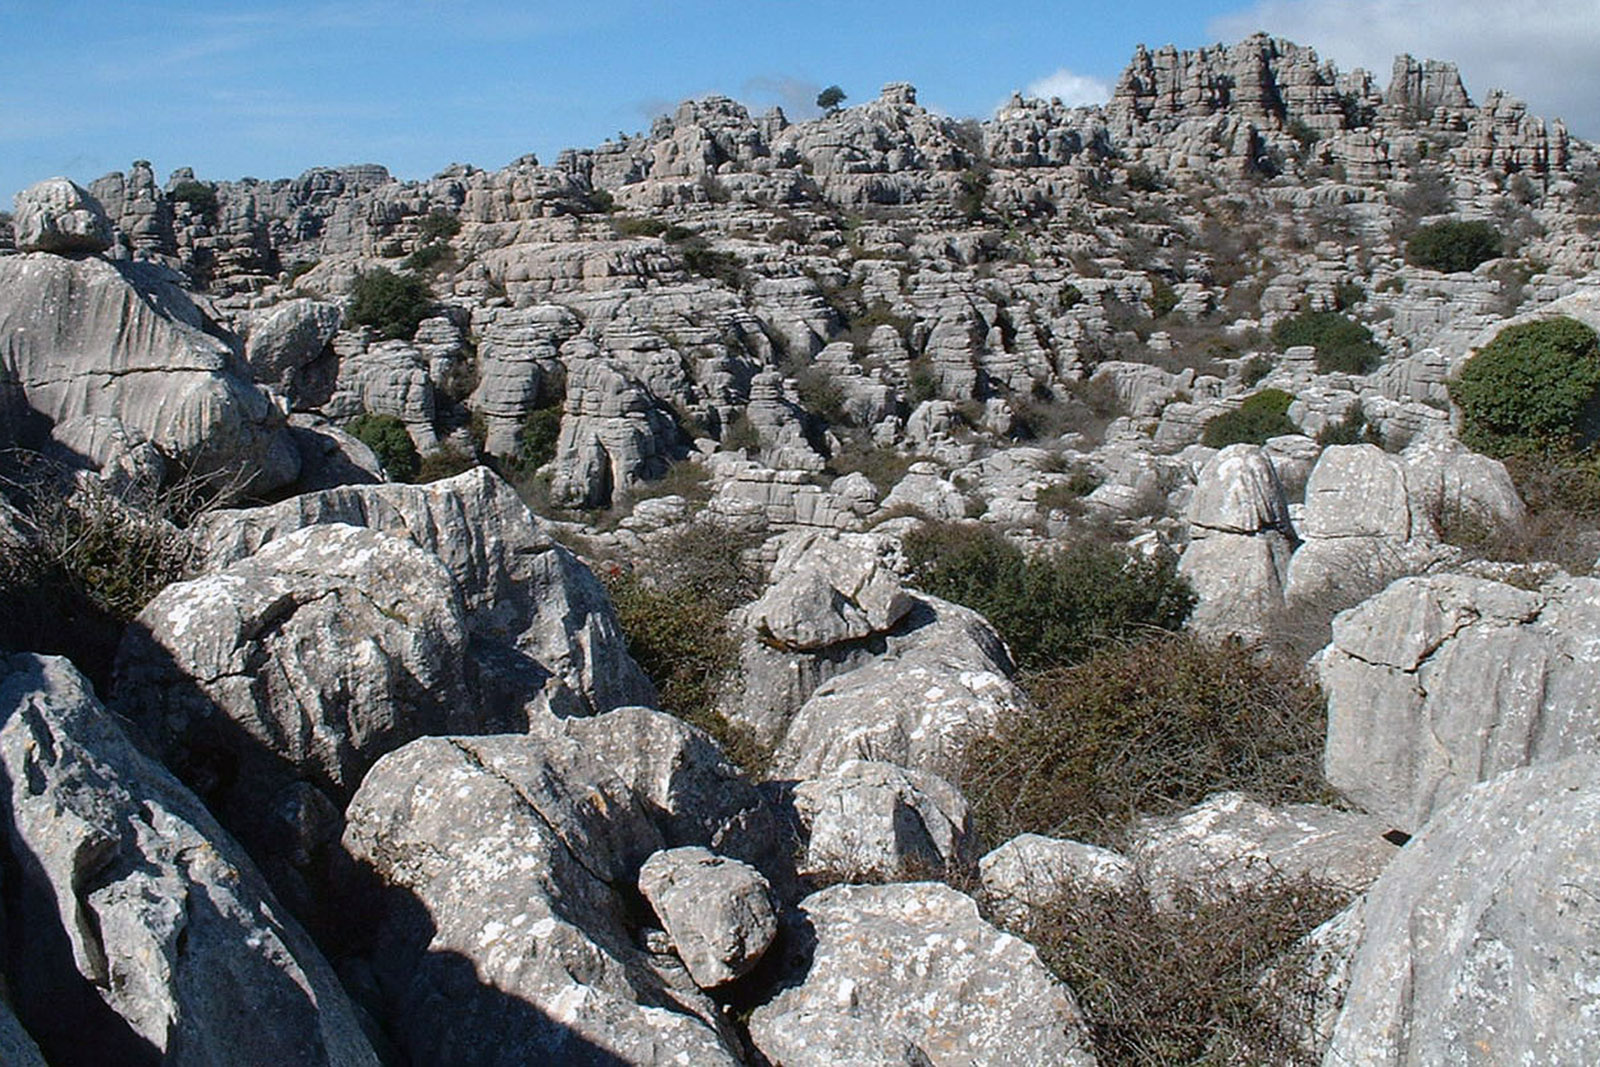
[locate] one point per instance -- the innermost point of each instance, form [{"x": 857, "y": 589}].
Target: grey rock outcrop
[
  {"x": 614, "y": 435},
  {"x": 1478, "y": 942},
  {"x": 273, "y": 685},
  {"x": 1233, "y": 843},
  {"x": 1440, "y": 682},
  {"x": 499, "y": 936},
  {"x": 828, "y": 590},
  {"x": 915, "y": 966},
  {"x": 716, "y": 910},
  {"x": 1031, "y": 870},
  {"x": 1240, "y": 541},
  {"x": 60, "y": 216},
  {"x": 145, "y": 931},
  {"x": 289, "y": 348},
  {"x": 86, "y": 337},
  {"x": 544, "y": 630},
  {"x": 870, "y": 820}
]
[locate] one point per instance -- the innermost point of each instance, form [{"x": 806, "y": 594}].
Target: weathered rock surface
[
  {"x": 1031, "y": 870},
  {"x": 1440, "y": 682},
  {"x": 1240, "y": 543},
  {"x": 60, "y": 216},
  {"x": 1233, "y": 843},
  {"x": 1478, "y": 942},
  {"x": 717, "y": 911},
  {"x": 498, "y": 934},
  {"x": 871, "y": 820},
  {"x": 145, "y": 933},
  {"x": 86, "y": 337},
  {"x": 917, "y": 965},
  {"x": 524, "y": 595},
  {"x": 289, "y": 348},
  {"x": 828, "y": 590}
]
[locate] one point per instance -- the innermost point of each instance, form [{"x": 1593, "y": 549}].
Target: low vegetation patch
[
  {"x": 1343, "y": 345},
  {"x": 1185, "y": 985},
  {"x": 1262, "y": 416},
  {"x": 673, "y": 609},
  {"x": 1055, "y": 607},
  {"x": 1147, "y": 729},
  {"x": 1533, "y": 388},
  {"x": 392, "y": 304}
]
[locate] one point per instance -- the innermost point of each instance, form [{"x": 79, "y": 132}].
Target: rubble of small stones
[{"x": 380, "y": 781}]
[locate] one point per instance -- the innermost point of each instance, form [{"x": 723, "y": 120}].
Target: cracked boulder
[
  {"x": 868, "y": 821},
  {"x": 717, "y": 911},
  {"x": 909, "y": 974},
  {"x": 829, "y": 589},
  {"x": 60, "y": 216},
  {"x": 1478, "y": 944},
  {"x": 489, "y": 875},
  {"x": 1441, "y": 682},
  {"x": 140, "y": 933},
  {"x": 273, "y": 685},
  {"x": 1240, "y": 540},
  {"x": 544, "y": 633},
  {"x": 85, "y": 337}
]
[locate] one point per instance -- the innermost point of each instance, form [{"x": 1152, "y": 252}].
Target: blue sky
[{"x": 273, "y": 87}]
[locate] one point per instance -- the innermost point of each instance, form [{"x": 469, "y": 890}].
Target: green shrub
[
  {"x": 1146, "y": 729},
  {"x": 1053, "y": 607},
  {"x": 1353, "y": 429},
  {"x": 1454, "y": 246},
  {"x": 538, "y": 435},
  {"x": 429, "y": 259},
  {"x": 830, "y": 99},
  {"x": 1262, "y": 416},
  {"x": 438, "y": 226},
  {"x": 1533, "y": 386},
  {"x": 1342, "y": 345},
  {"x": 1162, "y": 298},
  {"x": 445, "y": 462},
  {"x": 200, "y": 197},
  {"x": 387, "y": 437},
  {"x": 1189, "y": 983},
  {"x": 631, "y": 226},
  {"x": 1141, "y": 179},
  {"x": 392, "y": 304},
  {"x": 1255, "y": 368},
  {"x": 673, "y": 610},
  {"x": 821, "y": 395},
  {"x": 972, "y": 192}
]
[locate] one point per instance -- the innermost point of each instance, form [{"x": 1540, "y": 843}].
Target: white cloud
[
  {"x": 1074, "y": 90},
  {"x": 1542, "y": 52}
]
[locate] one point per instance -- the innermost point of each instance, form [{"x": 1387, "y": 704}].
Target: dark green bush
[
  {"x": 1533, "y": 386},
  {"x": 821, "y": 395},
  {"x": 438, "y": 226},
  {"x": 1353, "y": 429},
  {"x": 1146, "y": 729},
  {"x": 1054, "y": 607},
  {"x": 972, "y": 193},
  {"x": 1342, "y": 345},
  {"x": 429, "y": 259},
  {"x": 830, "y": 99},
  {"x": 631, "y": 226},
  {"x": 200, "y": 197},
  {"x": 1162, "y": 298},
  {"x": 392, "y": 304},
  {"x": 446, "y": 462},
  {"x": 387, "y": 437},
  {"x": 537, "y": 437},
  {"x": 1263, "y": 415},
  {"x": 1454, "y": 246}
]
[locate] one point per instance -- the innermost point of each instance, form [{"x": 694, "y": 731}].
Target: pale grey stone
[
  {"x": 1031, "y": 870},
  {"x": 717, "y": 911},
  {"x": 60, "y": 216},
  {"x": 875, "y": 820}
]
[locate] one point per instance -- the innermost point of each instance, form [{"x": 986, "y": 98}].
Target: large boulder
[
  {"x": 871, "y": 820},
  {"x": 1240, "y": 540},
  {"x": 1478, "y": 943},
  {"x": 87, "y": 337},
  {"x": 140, "y": 931},
  {"x": 58, "y": 215},
  {"x": 543, "y": 628},
  {"x": 1440, "y": 682},
  {"x": 717, "y": 911},
  {"x": 273, "y": 685},
  {"x": 288, "y": 347},
  {"x": 828, "y": 589},
  {"x": 488, "y": 874},
  {"x": 1031, "y": 870},
  {"x": 911, "y": 970}
]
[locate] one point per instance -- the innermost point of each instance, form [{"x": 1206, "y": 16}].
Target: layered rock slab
[{"x": 148, "y": 934}]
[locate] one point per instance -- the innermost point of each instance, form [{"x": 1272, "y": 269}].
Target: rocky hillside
[{"x": 807, "y": 593}]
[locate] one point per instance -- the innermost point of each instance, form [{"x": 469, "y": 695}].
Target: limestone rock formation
[
  {"x": 871, "y": 820},
  {"x": 1031, "y": 870},
  {"x": 289, "y": 348},
  {"x": 544, "y": 630},
  {"x": 57, "y": 215},
  {"x": 913, "y": 965},
  {"x": 1441, "y": 682},
  {"x": 1240, "y": 543},
  {"x": 716, "y": 910},
  {"x": 143, "y": 931},
  {"x": 86, "y": 337},
  {"x": 498, "y": 934},
  {"x": 1477, "y": 944}
]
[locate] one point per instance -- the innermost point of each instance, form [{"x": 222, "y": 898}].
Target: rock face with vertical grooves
[{"x": 148, "y": 935}]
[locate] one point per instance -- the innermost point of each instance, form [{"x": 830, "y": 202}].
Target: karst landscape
[{"x": 1096, "y": 585}]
